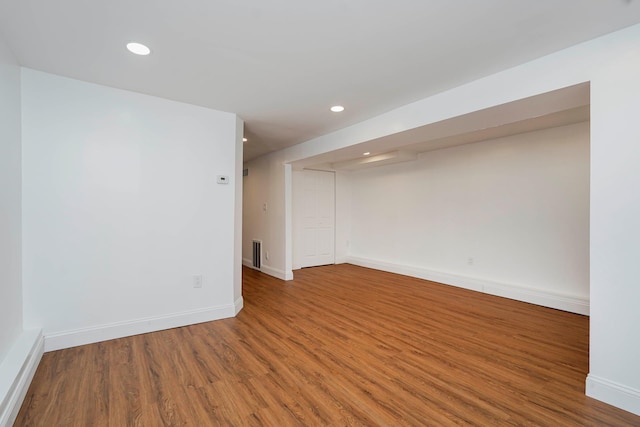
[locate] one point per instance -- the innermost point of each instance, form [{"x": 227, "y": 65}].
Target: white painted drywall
[
  {"x": 615, "y": 231},
  {"x": 20, "y": 350},
  {"x": 613, "y": 359},
  {"x": 513, "y": 211},
  {"x": 344, "y": 191},
  {"x": 255, "y": 194},
  {"x": 297, "y": 177},
  {"x": 121, "y": 209},
  {"x": 10, "y": 202},
  {"x": 264, "y": 214},
  {"x": 269, "y": 226},
  {"x": 237, "y": 226}
]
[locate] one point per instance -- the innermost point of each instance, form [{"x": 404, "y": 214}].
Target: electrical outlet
[
  {"x": 197, "y": 281},
  {"x": 266, "y": 255},
  {"x": 470, "y": 260}
]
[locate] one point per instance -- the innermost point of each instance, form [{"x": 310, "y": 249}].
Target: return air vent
[{"x": 257, "y": 254}]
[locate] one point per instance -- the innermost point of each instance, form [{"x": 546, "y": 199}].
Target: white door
[{"x": 315, "y": 218}]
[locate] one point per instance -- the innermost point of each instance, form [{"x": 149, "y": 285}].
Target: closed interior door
[{"x": 316, "y": 218}]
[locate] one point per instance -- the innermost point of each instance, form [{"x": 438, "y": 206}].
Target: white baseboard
[
  {"x": 534, "y": 296},
  {"x": 238, "y": 305},
  {"x": 280, "y": 274},
  {"x": 615, "y": 394},
  {"x": 16, "y": 372},
  {"x": 277, "y": 273},
  {"x": 66, "y": 339}
]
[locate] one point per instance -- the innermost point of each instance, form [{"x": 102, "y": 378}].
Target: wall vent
[{"x": 257, "y": 254}]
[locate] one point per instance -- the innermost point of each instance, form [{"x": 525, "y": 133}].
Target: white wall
[
  {"x": 614, "y": 316},
  {"x": 10, "y": 202},
  {"x": 121, "y": 208},
  {"x": 267, "y": 225},
  {"x": 266, "y": 173},
  {"x": 511, "y": 212},
  {"x": 344, "y": 203},
  {"x": 615, "y": 231},
  {"x": 20, "y": 350},
  {"x": 237, "y": 226}
]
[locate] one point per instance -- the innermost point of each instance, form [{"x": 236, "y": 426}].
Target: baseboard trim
[
  {"x": 614, "y": 394},
  {"x": 534, "y": 296},
  {"x": 16, "y": 372},
  {"x": 238, "y": 305},
  {"x": 115, "y": 330},
  {"x": 280, "y": 274},
  {"x": 277, "y": 273}
]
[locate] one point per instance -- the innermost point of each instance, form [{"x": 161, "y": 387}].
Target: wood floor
[{"x": 339, "y": 345}]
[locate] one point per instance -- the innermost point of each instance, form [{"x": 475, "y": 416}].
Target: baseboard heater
[{"x": 257, "y": 254}]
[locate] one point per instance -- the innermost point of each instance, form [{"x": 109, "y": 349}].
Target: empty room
[{"x": 343, "y": 213}]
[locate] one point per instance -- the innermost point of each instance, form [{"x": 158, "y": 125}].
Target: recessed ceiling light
[
  {"x": 244, "y": 139},
  {"x": 138, "y": 48},
  {"x": 337, "y": 108},
  {"x": 366, "y": 154}
]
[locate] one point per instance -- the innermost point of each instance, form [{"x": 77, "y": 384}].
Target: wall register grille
[{"x": 257, "y": 254}]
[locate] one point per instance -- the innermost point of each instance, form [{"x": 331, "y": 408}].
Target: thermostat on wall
[{"x": 223, "y": 179}]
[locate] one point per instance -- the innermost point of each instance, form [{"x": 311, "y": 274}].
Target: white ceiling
[{"x": 280, "y": 64}]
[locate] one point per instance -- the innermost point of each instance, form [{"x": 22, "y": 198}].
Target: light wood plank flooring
[{"x": 340, "y": 345}]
